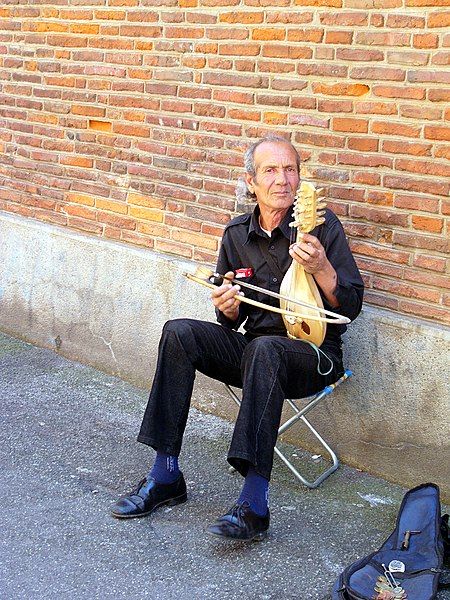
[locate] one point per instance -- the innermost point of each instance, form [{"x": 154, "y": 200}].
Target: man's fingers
[
  {"x": 304, "y": 250},
  {"x": 307, "y": 238}
]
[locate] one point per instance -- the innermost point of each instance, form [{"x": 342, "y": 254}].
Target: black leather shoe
[
  {"x": 148, "y": 496},
  {"x": 241, "y": 523}
]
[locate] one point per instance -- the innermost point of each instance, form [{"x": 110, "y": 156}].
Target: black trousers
[{"x": 268, "y": 369}]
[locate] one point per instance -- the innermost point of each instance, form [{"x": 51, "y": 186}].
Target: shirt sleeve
[
  {"x": 350, "y": 286},
  {"x": 224, "y": 264}
]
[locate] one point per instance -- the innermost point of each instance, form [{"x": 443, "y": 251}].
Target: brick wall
[{"x": 127, "y": 119}]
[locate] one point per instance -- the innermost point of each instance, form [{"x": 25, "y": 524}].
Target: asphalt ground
[{"x": 68, "y": 451}]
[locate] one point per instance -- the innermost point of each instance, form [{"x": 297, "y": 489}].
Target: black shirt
[{"x": 240, "y": 250}]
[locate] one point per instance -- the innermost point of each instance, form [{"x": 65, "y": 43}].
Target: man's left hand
[{"x": 310, "y": 254}]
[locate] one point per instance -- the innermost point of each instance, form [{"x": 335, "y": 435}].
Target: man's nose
[{"x": 281, "y": 177}]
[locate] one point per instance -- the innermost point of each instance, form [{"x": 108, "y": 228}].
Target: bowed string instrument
[{"x": 298, "y": 287}]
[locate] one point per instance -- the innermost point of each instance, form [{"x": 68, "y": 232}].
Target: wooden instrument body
[
  {"x": 297, "y": 283},
  {"x": 311, "y": 330}
]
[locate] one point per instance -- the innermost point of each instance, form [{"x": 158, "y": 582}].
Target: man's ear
[{"x": 249, "y": 182}]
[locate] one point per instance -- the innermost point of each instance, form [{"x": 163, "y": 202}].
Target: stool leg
[
  {"x": 300, "y": 416},
  {"x": 312, "y": 484}
]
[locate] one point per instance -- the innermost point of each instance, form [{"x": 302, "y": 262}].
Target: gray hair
[{"x": 243, "y": 194}]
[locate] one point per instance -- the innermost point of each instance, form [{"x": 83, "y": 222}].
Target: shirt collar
[{"x": 255, "y": 227}]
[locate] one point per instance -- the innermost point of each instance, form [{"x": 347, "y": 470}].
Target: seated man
[{"x": 263, "y": 361}]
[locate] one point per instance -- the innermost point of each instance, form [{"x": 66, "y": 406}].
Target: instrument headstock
[{"x": 309, "y": 207}]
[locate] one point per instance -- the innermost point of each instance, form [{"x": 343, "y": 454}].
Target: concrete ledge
[{"x": 104, "y": 303}]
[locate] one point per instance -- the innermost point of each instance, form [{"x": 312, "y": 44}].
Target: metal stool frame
[{"x": 300, "y": 413}]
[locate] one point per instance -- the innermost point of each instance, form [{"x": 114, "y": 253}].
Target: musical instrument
[
  {"x": 204, "y": 276},
  {"x": 297, "y": 284}
]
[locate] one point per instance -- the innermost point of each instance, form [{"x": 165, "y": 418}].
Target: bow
[{"x": 204, "y": 276}]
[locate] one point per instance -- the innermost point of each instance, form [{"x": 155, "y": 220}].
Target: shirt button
[
  {"x": 272, "y": 248},
  {"x": 274, "y": 279}
]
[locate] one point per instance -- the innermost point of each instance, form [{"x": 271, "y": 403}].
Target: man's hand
[
  {"x": 224, "y": 298},
  {"x": 310, "y": 253}
]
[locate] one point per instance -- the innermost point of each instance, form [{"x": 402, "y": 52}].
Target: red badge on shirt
[{"x": 242, "y": 273}]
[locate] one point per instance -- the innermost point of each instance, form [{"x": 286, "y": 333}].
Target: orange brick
[
  {"x": 306, "y": 35},
  {"x": 429, "y": 224},
  {"x": 425, "y": 40},
  {"x": 399, "y": 92},
  {"x": 239, "y": 49},
  {"x": 147, "y": 214},
  {"x": 77, "y": 161},
  {"x": 100, "y": 125},
  {"x": 330, "y": 3},
  {"x": 88, "y": 29},
  {"x": 413, "y": 148},
  {"x": 110, "y": 15},
  {"x": 77, "y": 198},
  {"x": 364, "y": 144},
  {"x": 49, "y": 26},
  {"x": 389, "y": 128},
  {"x": 341, "y": 89},
  {"x": 194, "y": 239},
  {"x": 275, "y": 118},
  {"x": 350, "y": 125},
  {"x": 414, "y": 202},
  {"x": 441, "y": 170},
  {"x": 437, "y": 133},
  {"x": 425, "y": 311},
  {"x": 112, "y": 219},
  {"x": 184, "y": 32},
  {"x": 173, "y": 248},
  {"x": 439, "y": 19},
  {"x": 111, "y": 206},
  {"x": 146, "y": 201},
  {"x": 133, "y": 130},
  {"x": 80, "y": 211},
  {"x": 269, "y": 33},
  {"x": 338, "y": 37},
  {"x": 242, "y": 18},
  {"x": 244, "y": 115},
  {"x": 139, "y": 240},
  {"x": 85, "y": 225},
  {"x": 403, "y": 289},
  {"x": 432, "y": 263},
  {"x": 154, "y": 229}
]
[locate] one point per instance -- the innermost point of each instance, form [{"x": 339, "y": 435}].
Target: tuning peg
[
  {"x": 320, "y": 221},
  {"x": 321, "y": 204}
]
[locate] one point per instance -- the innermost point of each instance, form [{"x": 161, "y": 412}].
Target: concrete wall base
[{"x": 104, "y": 303}]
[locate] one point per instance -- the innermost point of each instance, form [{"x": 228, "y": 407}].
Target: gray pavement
[{"x": 68, "y": 451}]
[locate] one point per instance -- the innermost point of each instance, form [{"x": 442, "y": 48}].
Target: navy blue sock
[
  {"x": 255, "y": 492},
  {"x": 165, "y": 468}
]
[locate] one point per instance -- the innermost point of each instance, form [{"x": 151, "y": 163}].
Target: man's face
[{"x": 277, "y": 176}]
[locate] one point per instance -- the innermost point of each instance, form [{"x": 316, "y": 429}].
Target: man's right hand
[{"x": 224, "y": 298}]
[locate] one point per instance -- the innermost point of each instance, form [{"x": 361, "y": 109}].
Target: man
[{"x": 263, "y": 361}]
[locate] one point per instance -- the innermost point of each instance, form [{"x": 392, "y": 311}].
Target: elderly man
[{"x": 263, "y": 361}]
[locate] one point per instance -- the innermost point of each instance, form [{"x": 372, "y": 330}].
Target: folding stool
[{"x": 311, "y": 402}]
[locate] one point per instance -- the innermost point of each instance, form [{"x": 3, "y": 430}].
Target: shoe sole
[
  {"x": 171, "y": 502},
  {"x": 258, "y": 537}
]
